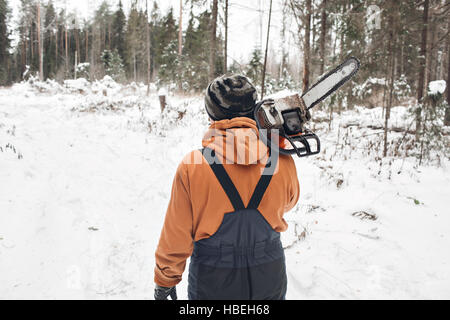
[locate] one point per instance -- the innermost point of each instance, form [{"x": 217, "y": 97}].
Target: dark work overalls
[{"x": 244, "y": 259}]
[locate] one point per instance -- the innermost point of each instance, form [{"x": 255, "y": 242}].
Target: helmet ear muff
[{"x": 229, "y": 97}]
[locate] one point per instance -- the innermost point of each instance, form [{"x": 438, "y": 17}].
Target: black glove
[{"x": 161, "y": 293}]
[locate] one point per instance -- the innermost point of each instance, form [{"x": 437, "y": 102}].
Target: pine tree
[
  {"x": 195, "y": 72},
  {"x": 118, "y": 30},
  {"x": 168, "y": 33},
  {"x": 255, "y": 66},
  {"x": 100, "y": 37},
  {"x": 166, "y": 47},
  {"x": 135, "y": 40},
  {"x": 25, "y": 30},
  {"x": 113, "y": 65},
  {"x": 50, "y": 63},
  {"x": 155, "y": 26}
]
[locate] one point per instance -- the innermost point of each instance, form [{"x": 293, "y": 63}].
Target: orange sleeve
[
  {"x": 294, "y": 186},
  {"x": 176, "y": 241}
]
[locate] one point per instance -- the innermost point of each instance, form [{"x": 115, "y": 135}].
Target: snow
[
  {"x": 162, "y": 92},
  {"x": 436, "y": 87},
  {"x": 85, "y": 177}
]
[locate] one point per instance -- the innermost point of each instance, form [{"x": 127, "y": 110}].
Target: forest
[
  {"x": 403, "y": 47},
  {"x": 400, "y": 41},
  {"x": 98, "y": 110}
]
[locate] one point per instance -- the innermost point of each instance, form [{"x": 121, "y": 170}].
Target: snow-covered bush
[
  {"x": 433, "y": 139},
  {"x": 113, "y": 65},
  {"x": 47, "y": 86},
  {"x": 83, "y": 70},
  {"x": 80, "y": 85},
  {"x": 372, "y": 92}
]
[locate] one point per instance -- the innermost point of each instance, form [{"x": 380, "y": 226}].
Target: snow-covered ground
[{"x": 85, "y": 177}]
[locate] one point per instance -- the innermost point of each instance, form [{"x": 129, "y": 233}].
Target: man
[{"x": 226, "y": 211}]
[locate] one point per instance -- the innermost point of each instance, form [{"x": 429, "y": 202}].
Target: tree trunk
[
  {"x": 447, "y": 110},
  {"x": 423, "y": 52},
  {"x": 341, "y": 55},
  {"x": 392, "y": 38},
  {"x": 87, "y": 45},
  {"x": 435, "y": 57},
  {"x": 432, "y": 39},
  {"x": 402, "y": 56},
  {"x": 322, "y": 36},
  {"x": 61, "y": 42},
  {"x": 212, "y": 41},
  {"x": 335, "y": 38},
  {"x": 67, "y": 50},
  {"x": 95, "y": 43},
  {"x": 109, "y": 36},
  {"x": 225, "y": 58},
  {"x": 180, "y": 30},
  {"x": 306, "y": 46},
  {"x": 40, "y": 44},
  {"x": 147, "y": 29},
  {"x": 56, "y": 42},
  {"x": 265, "y": 55},
  {"x": 134, "y": 65},
  {"x": 77, "y": 41},
  {"x": 75, "y": 66},
  {"x": 23, "y": 55},
  {"x": 32, "y": 45}
]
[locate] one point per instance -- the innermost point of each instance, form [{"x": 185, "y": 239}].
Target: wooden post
[{"x": 162, "y": 99}]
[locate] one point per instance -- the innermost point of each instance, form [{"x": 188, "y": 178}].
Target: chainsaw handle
[{"x": 304, "y": 151}]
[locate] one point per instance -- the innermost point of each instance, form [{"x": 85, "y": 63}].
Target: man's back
[
  {"x": 226, "y": 211},
  {"x": 199, "y": 202},
  {"x": 209, "y": 200}
]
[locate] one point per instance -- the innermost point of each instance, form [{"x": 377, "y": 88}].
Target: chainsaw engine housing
[{"x": 287, "y": 116}]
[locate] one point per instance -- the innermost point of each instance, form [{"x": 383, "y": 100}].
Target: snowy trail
[
  {"x": 80, "y": 214},
  {"x": 84, "y": 209}
]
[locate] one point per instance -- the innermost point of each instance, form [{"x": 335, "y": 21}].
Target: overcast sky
[{"x": 244, "y": 20}]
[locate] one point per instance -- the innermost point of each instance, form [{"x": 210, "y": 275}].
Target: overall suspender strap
[
  {"x": 224, "y": 180},
  {"x": 229, "y": 187},
  {"x": 263, "y": 183}
]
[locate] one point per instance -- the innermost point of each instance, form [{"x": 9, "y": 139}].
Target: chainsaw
[{"x": 284, "y": 118}]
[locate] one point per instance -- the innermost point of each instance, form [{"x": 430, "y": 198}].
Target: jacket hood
[{"x": 236, "y": 141}]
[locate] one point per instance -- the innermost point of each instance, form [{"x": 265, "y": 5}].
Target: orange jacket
[{"x": 198, "y": 202}]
